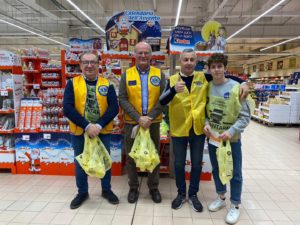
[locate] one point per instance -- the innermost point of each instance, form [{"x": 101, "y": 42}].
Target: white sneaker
[
  {"x": 217, "y": 205},
  {"x": 232, "y": 215}
]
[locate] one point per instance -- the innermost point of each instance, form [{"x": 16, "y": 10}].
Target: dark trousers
[
  {"x": 196, "y": 150},
  {"x": 153, "y": 178},
  {"x": 81, "y": 176}
]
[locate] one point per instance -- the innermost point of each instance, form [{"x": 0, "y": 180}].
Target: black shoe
[
  {"x": 178, "y": 201},
  {"x": 133, "y": 195},
  {"x": 78, "y": 200},
  {"x": 110, "y": 197},
  {"x": 195, "y": 203},
  {"x": 155, "y": 195}
]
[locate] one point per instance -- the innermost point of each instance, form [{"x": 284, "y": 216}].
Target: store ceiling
[{"x": 59, "y": 20}]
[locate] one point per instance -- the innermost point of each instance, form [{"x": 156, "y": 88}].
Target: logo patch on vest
[
  {"x": 226, "y": 95},
  {"x": 198, "y": 83},
  {"x": 132, "y": 83},
  {"x": 103, "y": 90},
  {"x": 155, "y": 81}
]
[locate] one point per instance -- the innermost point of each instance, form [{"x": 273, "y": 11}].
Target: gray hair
[
  {"x": 89, "y": 53},
  {"x": 187, "y": 50},
  {"x": 143, "y": 42}
]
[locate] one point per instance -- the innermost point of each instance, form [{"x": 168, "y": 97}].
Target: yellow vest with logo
[
  {"x": 134, "y": 91},
  {"x": 187, "y": 109},
  {"x": 80, "y": 95}
]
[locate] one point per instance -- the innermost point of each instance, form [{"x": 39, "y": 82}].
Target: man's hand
[
  {"x": 244, "y": 90},
  {"x": 225, "y": 136},
  {"x": 179, "y": 86},
  {"x": 145, "y": 121},
  {"x": 93, "y": 130},
  {"x": 207, "y": 130}
]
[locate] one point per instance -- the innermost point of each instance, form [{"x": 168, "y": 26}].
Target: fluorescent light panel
[
  {"x": 85, "y": 15},
  {"x": 280, "y": 43},
  {"x": 257, "y": 18},
  {"x": 32, "y": 32},
  {"x": 178, "y": 12}
]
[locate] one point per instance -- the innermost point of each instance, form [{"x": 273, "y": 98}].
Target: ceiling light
[
  {"x": 280, "y": 43},
  {"x": 257, "y": 18},
  {"x": 178, "y": 12},
  {"x": 85, "y": 15},
  {"x": 42, "y": 36}
]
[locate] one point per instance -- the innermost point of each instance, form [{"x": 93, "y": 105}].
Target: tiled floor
[{"x": 271, "y": 193}]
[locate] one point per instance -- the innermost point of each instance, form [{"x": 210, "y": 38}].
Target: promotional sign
[
  {"x": 9, "y": 59},
  {"x": 211, "y": 38},
  {"x": 127, "y": 28},
  {"x": 80, "y": 45}
]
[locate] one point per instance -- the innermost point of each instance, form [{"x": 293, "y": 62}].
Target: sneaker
[
  {"x": 233, "y": 215},
  {"x": 195, "y": 203},
  {"x": 178, "y": 201},
  {"x": 78, "y": 200},
  {"x": 110, "y": 197},
  {"x": 217, "y": 205},
  {"x": 155, "y": 195}
]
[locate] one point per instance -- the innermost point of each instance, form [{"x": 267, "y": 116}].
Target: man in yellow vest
[
  {"x": 140, "y": 88},
  {"x": 90, "y": 104},
  {"x": 186, "y": 94}
]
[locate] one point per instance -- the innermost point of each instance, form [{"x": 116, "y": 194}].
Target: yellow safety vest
[
  {"x": 134, "y": 91},
  {"x": 187, "y": 109},
  {"x": 80, "y": 95},
  {"x": 222, "y": 113}
]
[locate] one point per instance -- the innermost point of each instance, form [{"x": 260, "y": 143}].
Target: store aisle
[{"x": 271, "y": 192}]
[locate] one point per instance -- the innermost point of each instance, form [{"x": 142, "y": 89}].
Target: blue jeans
[
  {"x": 81, "y": 176},
  {"x": 237, "y": 180},
  {"x": 196, "y": 149}
]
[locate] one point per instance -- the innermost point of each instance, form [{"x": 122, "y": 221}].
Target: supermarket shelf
[
  {"x": 50, "y": 86},
  {"x": 259, "y": 118},
  {"x": 292, "y": 88},
  {"x": 30, "y": 71},
  {"x": 7, "y": 131},
  {"x": 71, "y": 75},
  {"x": 51, "y": 69},
  {"x": 51, "y": 78},
  {"x": 72, "y": 62},
  {"x": 284, "y": 96},
  {"x": 27, "y": 58},
  {"x": 9, "y": 111},
  {"x": 12, "y": 151}
]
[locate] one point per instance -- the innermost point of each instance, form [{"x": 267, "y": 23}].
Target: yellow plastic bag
[
  {"x": 144, "y": 152},
  {"x": 225, "y": 162},
  {"x": 94, "y": 159}
]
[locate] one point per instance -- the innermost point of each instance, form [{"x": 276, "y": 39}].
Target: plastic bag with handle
[
  {"x": 144, "y": 152},
  {"x": 94, "y": 159},
  {"x": 225, "y": 162}
]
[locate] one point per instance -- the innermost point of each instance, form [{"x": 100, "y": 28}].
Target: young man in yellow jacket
[
  {"x": 90, "y": 104},
  {"x": 140, "y": 88},
  {"x": 186, "y": 94}
]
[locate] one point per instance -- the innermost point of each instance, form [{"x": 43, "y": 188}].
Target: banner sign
[
  {"x": 211, "y": 38},
  {"x": 126, "y": 29},
  {"x": 80, "y": 45}
]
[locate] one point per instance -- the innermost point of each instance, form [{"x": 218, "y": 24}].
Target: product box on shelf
[{"x": 44, "y": 153}]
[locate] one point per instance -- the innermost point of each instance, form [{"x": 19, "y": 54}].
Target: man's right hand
[
  {"x": 93, "y": 130},
  {"x": 145, "y": 122},
  {"x": 179, "y": 86}
]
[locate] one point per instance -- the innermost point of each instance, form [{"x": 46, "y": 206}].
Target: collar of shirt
[
  {"x": 183, "y": 75},
  {"x": 143, "y": 72},
  {"x": 90, "y": 80}
]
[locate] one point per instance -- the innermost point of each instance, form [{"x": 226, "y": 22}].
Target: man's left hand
[
  {"x": 244, "y": 90},
  {"x": 225, "y": 136}
]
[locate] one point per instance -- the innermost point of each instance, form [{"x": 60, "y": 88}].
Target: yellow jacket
[
  {"x": 187, "y": 109},
  {"x": 134, "y": 91},
  {"x": 80, "y": 94}
]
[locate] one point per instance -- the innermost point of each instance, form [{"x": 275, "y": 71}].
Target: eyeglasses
[{"x": 86, "y": 63}]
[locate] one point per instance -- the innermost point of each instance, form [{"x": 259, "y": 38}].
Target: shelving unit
[{"x": 10, "y": 95}]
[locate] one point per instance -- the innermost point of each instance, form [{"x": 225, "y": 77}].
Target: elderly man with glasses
[{"x": 90, "y": 104}]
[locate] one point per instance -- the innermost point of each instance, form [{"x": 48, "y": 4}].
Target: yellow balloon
[{"x": 210, "y": 27}]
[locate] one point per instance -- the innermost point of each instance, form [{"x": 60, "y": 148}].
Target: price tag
[
  {"x": 36, "y": 86},
  {"x": 26, "y": 137},
  {"x": 47, "y": 136},
  {"x": 4, "y": 93}
]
